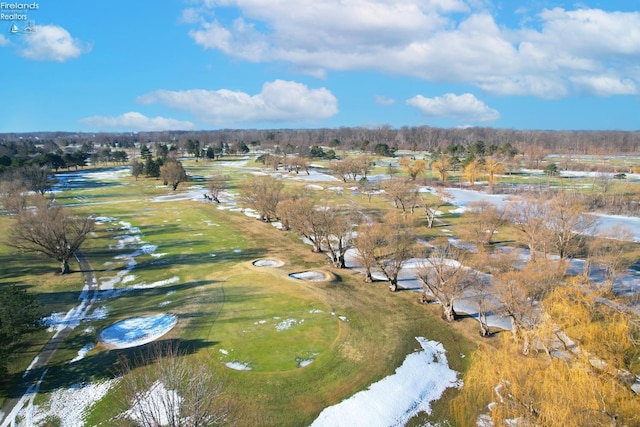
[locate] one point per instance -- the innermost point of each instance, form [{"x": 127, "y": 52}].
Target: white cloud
[
  {"x": 134, "y": 121},
  {"x": 383, "y": 100},
  {"x": 465, "y": 107},
  {"x": 278, "y": 101},
  {"x": 51, "y": 43},
  {"x": 605, "y": 85},
  {"x": 3, "y": 40},
  {"x": 436, "y": 40}
]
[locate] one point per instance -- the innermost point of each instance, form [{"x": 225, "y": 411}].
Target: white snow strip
[
  {"x": 392, "y": 401},
  {"x": 143, "y": 285}
]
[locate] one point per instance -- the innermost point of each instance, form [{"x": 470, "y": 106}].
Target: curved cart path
[{"x": 32, "y": 378}]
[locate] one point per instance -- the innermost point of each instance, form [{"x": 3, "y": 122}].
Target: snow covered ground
[{"x": 392, "y": 401}]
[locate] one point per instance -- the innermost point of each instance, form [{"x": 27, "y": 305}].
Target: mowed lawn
[{"x": 305, "y": 345}]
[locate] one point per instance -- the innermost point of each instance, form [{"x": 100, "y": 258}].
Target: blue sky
[{"x": 207, "y": 64}]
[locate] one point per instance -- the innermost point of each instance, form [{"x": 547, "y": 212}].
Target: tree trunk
[
  {"x": 368, "y": 278},
  {"x": 64, "y": 267},
  {"x": 393, "y": 285},
  {"x": 484, "y": 329},
  {"x": 449, "y": 313}
]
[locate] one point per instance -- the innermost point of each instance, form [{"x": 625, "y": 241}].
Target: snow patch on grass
[
  {"x": 238, "y": 366},
  {"x": 392, "y": 401},
  {"x": 69, "y": 405},
  {"x": 287, "y": 324},
  {"x": 143, "y": 285},
  {"x": 155, "y": 404},
  {"x": 82, "y": 353}
]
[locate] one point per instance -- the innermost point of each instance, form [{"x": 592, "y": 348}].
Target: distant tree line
[{"x": 364, "y": 139}]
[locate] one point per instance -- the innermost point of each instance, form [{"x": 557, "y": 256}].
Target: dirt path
[{"x": 32, "y": 378}]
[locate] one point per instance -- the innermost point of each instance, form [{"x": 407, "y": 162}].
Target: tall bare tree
[
  {"x": 485, "y": 221},
  {"x": 13, "y": 196},
  {"x": 262, "y": 193},
  {"x": 444, "y": 276},
  {"x": 431, "y": 205},
  {"x": 306, "y": 217},
  {"x": 388, "y": 246},
  {"x": 403, "y": 193},
  {"x": 365, "y": 243},
  {"x": 48, "y": 229},
  {"x": 569, "y": 224},
  {"x": 339, "y": 225},
  {"x": 530, "y": 216},
  {"x": 216, "y": 184}
]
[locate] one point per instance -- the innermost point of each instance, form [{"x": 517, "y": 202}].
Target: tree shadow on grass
[
  {"x": 12, "y": 269},
  {"x": 102, "y": 366}
]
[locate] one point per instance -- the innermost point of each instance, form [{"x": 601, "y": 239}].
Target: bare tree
[
  {"x": 519, "y": 292},
  {"x": 37, "y": 178},
  {"x": 431, "y": 204},
  {"x": 137, "y": 168},
  {"x": 568, "y": 224},
  {"x": 167, "y": 387},
  {"x": 262, "y": 194},
  {"x": 48, "y": 229},
  {"x": 403, "y": 193},
  {"x": 530, "y": 216},
  {"x": 394, "y": 245},
  {"x": 216, "y": 184},
  {"x": 14, "y": 196},
  {"x": 339, "y": 233},
  {"x": 365, "y": 243},
  {"x": 305, "y": 217},
  {"x": 173, "y": 173},
  {"x": 486, "y": 219},
  {"x": 444, "y": 276}
]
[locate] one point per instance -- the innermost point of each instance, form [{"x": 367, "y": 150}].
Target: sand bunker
[
  {"x": 311, "y": 276},
  {"x": 137, "y": 331},
  {"x": 268, "y": 262}
]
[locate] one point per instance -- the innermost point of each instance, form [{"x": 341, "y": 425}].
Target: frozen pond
[{"x": 463, "y": 198}]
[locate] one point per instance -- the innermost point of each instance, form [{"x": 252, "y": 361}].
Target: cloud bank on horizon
[{"x": 258, "y": 63}]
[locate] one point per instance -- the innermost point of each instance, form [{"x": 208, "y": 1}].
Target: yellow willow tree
[
  {"x": 414, "y": 169},
  {"x": 441, "y": 167},
  {"x": 471, "y": 172},
  {"x": 585, "y": 380},
  {"x": 493, "y": 168}
]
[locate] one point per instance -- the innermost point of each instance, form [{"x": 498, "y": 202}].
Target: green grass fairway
[{"x": 306, "y": 345}]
